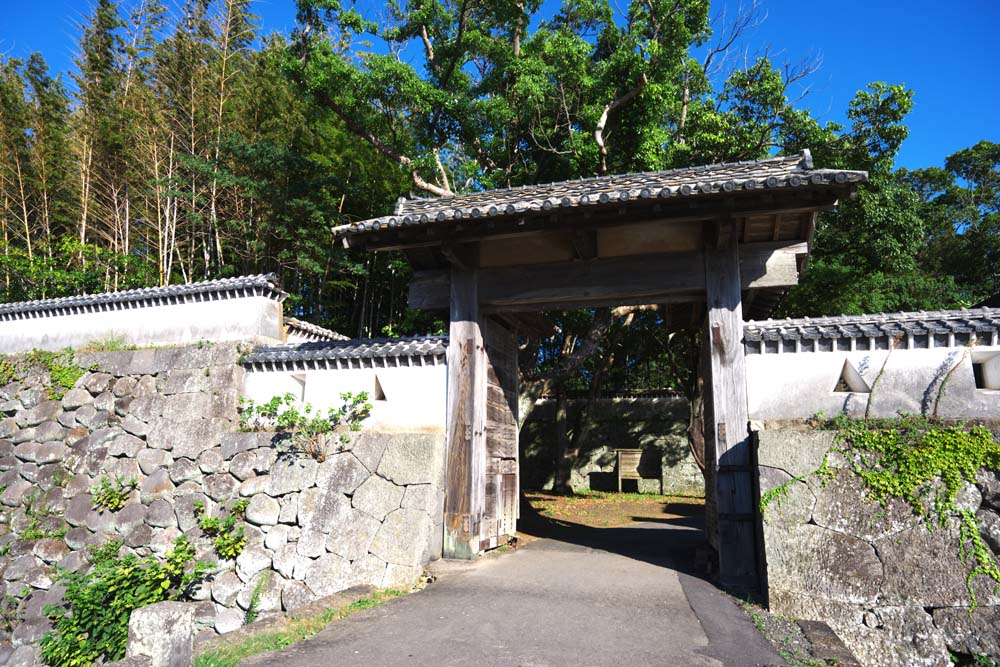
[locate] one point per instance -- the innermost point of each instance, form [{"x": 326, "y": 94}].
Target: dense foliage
[{"x": 92, "y": 621}]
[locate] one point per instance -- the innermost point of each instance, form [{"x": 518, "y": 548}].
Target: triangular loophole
[
  {"x": 379, "y": 393},
  {"x": 851, "y": 381}
]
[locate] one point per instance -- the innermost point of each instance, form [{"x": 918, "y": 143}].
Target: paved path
[{"x": 587, "y": 597}]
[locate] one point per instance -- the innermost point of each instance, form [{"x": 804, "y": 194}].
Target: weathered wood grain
[
  {"x": 466, "y": 462},
  {"x": 610, "y": 281},
  {"x": 726, "y": 415}
]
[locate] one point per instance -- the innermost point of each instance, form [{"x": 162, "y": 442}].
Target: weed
[
  {"x": 230, "y": 536},
  {"x": 305, "y": 427},
  {"x": 110, "y": 495},
  {"x": 296, "y": 630}
]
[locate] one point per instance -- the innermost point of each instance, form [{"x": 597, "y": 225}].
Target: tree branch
[{"x": 603, "y": 121}]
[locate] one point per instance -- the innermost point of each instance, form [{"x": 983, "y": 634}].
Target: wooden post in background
[
  {"x": 726, "y": 412},
  {"x": 465, "y": 473}
]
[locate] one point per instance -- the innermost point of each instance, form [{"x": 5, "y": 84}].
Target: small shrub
[
  {"x": 91, "y": 624},
  {"x": 304, "y": 427},
  {"x": 258, "y": 591},
  {"x": 110, "y": 495},
  {"x": 229, "y": 531}
]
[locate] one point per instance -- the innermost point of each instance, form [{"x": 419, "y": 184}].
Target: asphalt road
[{"x": 583, "y": 597}]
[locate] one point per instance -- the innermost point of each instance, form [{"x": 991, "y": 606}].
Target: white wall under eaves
[
  {"x": 937, "y": 382},
  {"x": 250, "y": 318}
]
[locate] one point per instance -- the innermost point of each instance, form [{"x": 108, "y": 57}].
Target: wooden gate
[{"x": 502, "y": 486}]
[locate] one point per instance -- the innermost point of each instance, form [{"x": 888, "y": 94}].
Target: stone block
[
  {"x": 26, "y": 655},
  {"x": 843, "y": 506},
  {"x": 220, "y": 487},
  {"x": 68, "y": 419},
  {"x": 26, "y": 451},
  {"x": 163, "y": 632},
  {"x": 295, "y": 594},
  {"x": 276, "y": 537},
  {"x": 291, "y": 474},
  {"x": 135, "y": 426},
  {"x": 43, "y": 412},
  {"x": 97, "y": 383},
  {"x": 211, "y": 461},
  {"x": 182, "y": 381},
  {"x": 12, "y": 495},
  {"x": 411, "y": 458},
  {"x": 105, "y": 402},
  {"x": 234, "y": 443},
  {"x": 796, "y": 452},
  {"x": 184, "y": 470},
  {"x": 184, "y": 509},
  {"x": 352, "y": 538},
  {"x": 123, "y": 405},
  {"x": 401, "y": 576},
  {"x": 369, "y": 447},
  {"x": 369, "y": 570},
  {"x": 161, "y": 514},
  {"x": 163, "y": 540},
  {"x": 329, "y": 574},
  {"x": 146, "y": 408},
  {"x": 75, "y": 398},
  {"x": 225, "y": 587},
  {"x": 263, "y": 510},
  {"x": 124, "y": 386},
  {"x": 377, "y": 497},
  {"x": 51, "y": 452},
  {"x": 422, "y": 497},
  {"x": 185, "y": 407},
  {"x": 988, "y": 482},
  {"x": 267, "y": 585},
  {"x": 285, "y": 559},
  {"x": 49, "y": 430},
  {"x": 23, "y": 435},
  {"x": 974, "y": 633},
  {"x": 253, "y": 486},
  {"x": 139, "y": 537},
  {"x": 811, "y": 560},
  {"x": 186, "y": 439},
  {"x": 342, "y": 472},
  {"x": 128, "y": 517},
  {"x": 403, "y": 537},
  {"x": 228, "y": 620},
  {"x": 79, "y": 538},
  {"x": 252, "y": 560},
  {"x": 150, "y": 460},
  {"x": 50, "y": 550},
  {"x": 8, "y": 427},
  {"x": 126, "y": 445},
  {"x": 910, "y": 580}
]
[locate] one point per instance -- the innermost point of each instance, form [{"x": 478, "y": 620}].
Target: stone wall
[
  {"x": 369, "y": 513},
  {"x": 658, "y": 426},
  {"x": 893, "y": 590}
]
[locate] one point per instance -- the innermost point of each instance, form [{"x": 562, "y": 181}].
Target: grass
[{"x": 297, "y": 629}]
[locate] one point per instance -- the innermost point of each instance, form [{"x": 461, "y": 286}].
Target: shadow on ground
[{"x": 673, "y": 541}]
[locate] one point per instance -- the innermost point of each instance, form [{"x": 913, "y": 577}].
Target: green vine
[
  {"x": 229, "y": 531},
  {"x": 61, "y": 366},
  {"x": 925, "y": 464},
  {"x": 778, "y": 494}
]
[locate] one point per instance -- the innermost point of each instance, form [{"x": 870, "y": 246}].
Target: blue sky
[{"x": 948, "y": 53}]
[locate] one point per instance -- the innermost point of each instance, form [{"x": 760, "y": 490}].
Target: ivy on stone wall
[
  {"x": 61, "y": 367},
  {"x": 922, "y": 462},
  {"x": 926, "y": 464}
]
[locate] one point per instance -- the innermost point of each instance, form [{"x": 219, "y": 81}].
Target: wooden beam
[
  {"x": 466, "y": 461},
  {"x": 727, "y": 415},
  {"x": 672, "y": 277}
]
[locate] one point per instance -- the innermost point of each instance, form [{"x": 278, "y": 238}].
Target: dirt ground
[{"x": 597, "y": 509}]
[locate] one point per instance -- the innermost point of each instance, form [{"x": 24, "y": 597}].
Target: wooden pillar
[
  {"x": 465, "y": 472},
  {"x": 726, "y": 412}
]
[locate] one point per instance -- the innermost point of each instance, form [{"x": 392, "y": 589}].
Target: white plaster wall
[
  {"x": 415, "y": 396},
  {"x": 800, "y": 385},
  {"x": 244, "y": 318}
]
